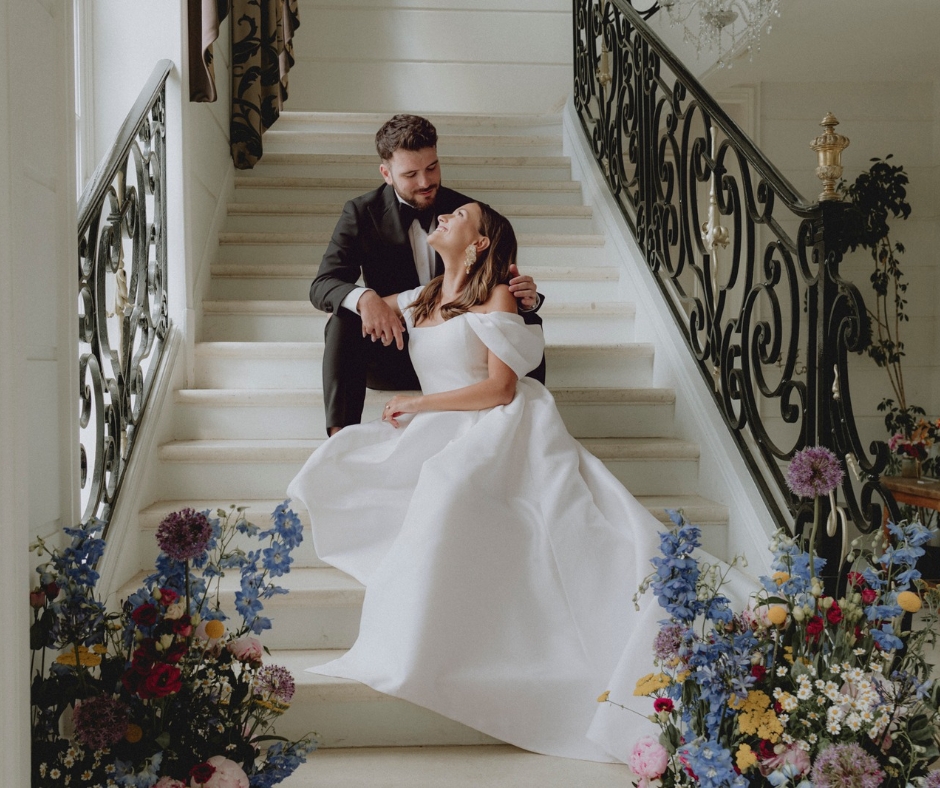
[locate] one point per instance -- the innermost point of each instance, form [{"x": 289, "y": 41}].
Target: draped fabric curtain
[{"x": 262, "y": 54}]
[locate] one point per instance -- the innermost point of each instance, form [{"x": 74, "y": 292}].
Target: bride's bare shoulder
[{"x": 500, "y": 300}]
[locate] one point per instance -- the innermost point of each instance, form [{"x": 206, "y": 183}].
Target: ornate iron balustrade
[
  {"x": 748, "y": 268},
  {"x": 122, "y": 294}
]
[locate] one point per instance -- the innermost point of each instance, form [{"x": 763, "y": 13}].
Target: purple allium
[
  {"x": 275, "y": 682},
  {"x": 100, "y": 721},
  {"x": 846, "y": 766},
  {"x": 667, "y": 642},
  {"x": 184, "y": 535},
  {"x": 932, "y": 780},
  {"x": 814, "y": 472}
]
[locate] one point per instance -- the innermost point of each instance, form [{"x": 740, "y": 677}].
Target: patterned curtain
[{"x": 262, "y": 54}]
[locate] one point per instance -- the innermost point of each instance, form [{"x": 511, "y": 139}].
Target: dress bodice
[{"x": 454, "y": 354}]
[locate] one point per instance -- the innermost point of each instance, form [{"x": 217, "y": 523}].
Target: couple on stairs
[{"x": 500, "y": 558}]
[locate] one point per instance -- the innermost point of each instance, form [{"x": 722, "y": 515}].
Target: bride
[{"x": 499, "y": 557}]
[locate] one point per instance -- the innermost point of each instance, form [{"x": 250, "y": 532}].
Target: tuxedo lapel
[{"x": 388, "y": 222}]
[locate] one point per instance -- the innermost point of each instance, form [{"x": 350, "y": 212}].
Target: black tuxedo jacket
[{"x": 369, "y": 240}]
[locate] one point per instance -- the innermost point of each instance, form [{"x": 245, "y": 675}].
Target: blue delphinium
[
  {"x": 280, "y": 763},
  {"x": 711, "y": 763}
]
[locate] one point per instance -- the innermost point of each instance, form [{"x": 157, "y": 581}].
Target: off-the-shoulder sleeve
[
  {"x": 405, "y": 300},
  {"x": 517, "y": 345}
]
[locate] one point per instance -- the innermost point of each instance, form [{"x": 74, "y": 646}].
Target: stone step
[
  {"x": 298, "y": 217},
  {"x": 297, "y": 320},
  {"x": 281, "y": 139},
  {"x": 263, "y": 468},
  {"x": 492, "y": 766},
  {"x": 274, "y": 282},
  {"x": 210, "y": 414},
  {"x": 339, "y": 165},
  {"x": 296, "y": 365},
  {"x": 446, "y": 123},
  {"x": 254, "y": 189},
  {"x": 535, "y": 250},
  {"x": 346, "y": 713},
  {"x": 711, "y": 516}
]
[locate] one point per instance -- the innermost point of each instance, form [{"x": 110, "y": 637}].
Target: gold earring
[{"x": 469, "y": 258}]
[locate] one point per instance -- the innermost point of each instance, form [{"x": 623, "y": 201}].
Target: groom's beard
[{"x": 419, "y": 199}]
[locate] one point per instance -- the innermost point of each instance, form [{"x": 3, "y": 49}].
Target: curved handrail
[
  {"x": 122, "y": 294},
  {"x": 747, "y": 266}
]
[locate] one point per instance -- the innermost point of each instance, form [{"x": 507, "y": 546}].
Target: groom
[{"x": 382, "y": 237}]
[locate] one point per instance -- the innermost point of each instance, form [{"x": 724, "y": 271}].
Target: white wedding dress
[{"x": 500, "y": 558}]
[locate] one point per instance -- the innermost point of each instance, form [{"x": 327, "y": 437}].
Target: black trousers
[{"x": 352, "y": 363}]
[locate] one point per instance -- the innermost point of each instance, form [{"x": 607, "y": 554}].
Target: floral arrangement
[
  {"x": 169, "y": 691},
  {"x": 916, "y": 442},
  {"x": 800, "y": 688}
]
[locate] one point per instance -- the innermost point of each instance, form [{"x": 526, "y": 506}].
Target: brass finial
[{"x": 829, "y": 146}]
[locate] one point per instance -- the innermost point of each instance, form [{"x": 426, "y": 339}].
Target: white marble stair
[{"x": 255, "y": 409}]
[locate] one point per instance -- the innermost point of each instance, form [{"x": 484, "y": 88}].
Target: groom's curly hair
[
  {"x": 491, "y": 269},
  {"x": 405, "y": 132}
]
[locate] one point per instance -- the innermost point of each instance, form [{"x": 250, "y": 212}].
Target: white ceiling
[{"x": 831, "y": 41}]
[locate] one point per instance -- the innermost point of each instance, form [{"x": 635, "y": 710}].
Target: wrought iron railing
[
  {"x": 122, "y": 294},
  {"x": 748, "y": 267}
]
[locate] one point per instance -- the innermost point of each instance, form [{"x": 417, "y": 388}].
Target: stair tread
[
  {"x": 595, "y": 273},
  {"x": 304, "y": 307},
  {"x": 309, "y": 396},
  {"x": 367, "y": 184},
  {"x": 300, "y": 157},
  {"x": 303, "y": 349},
  {"x": 334, "y": 209},
  {"x": 297, "y": 450},
  {"x": 464, "y": 766},
  {"x": 282, "y": 239},
  {"x": 697, "y": 508}
]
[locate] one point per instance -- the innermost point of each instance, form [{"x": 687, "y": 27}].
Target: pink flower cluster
[{"x": 648, "y": 759}]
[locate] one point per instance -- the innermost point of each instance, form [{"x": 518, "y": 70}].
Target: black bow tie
[{"x": 409, "y": 213}]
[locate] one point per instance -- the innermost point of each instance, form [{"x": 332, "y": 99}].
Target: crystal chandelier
[{"x": 732, "y": 27}]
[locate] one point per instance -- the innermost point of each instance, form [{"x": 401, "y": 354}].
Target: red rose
[
  {"x": 869, "y": 595},
  {"x": 765, "y": 750},
  {"x": 175, "y": 653},
  {"x": 758, "y": 672},
  {"x": 183, "y": 626},
  {"x": 778, "y": 708},
  {"x": 834, "y": 614},
  {"x": 663, "y": 704},
  {"x": 168, "y": 596},
  {"x": 201, "y": 773},
  {"x": 855, "y": 579},
  {"x": 163, "y": 680},
  {"x": 52, "y": 590},
  {"x": 145, "y": 615},
  {"x": 814, "y": 627}
]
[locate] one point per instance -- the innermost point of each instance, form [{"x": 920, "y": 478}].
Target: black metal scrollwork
[
  {"x": 748, "y": 268},
  {"x": 122, "y": 295}
]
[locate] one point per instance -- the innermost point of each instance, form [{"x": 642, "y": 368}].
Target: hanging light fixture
[{"x": 732, "y": 27}]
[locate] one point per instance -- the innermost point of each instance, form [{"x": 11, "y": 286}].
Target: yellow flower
[
  {"x": 650, "y": 683},
  {"x": 215, "y": 629},
  {"x": 134, "y": 733},
  {"x": 788, "y": 654},
  {"x": 85, "y": 658},
  {"x": 602, "y": 698},
  {"x": 745, "y": 758},
  {"x": 780, "y": 578},
  {"x": 777, "y": 615},
  {"x": 757, "y": 717},
  {"x": 909, "y": 601}
]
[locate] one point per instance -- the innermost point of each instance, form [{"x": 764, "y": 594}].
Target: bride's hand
[{"x": 398, "y": 406}]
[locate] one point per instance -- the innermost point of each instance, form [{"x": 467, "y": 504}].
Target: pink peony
[
  {"x": 246, "y": 649},
  {"x": 227, "y": 774},
  {"x": 648, "y": 759},
  {"x": 169, "y": 782},
  {"x": 793, "y": 756}
]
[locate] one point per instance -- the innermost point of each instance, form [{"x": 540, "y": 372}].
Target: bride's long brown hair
[{"x": 490, "y": 269}]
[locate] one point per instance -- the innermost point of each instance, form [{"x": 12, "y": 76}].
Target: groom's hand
[
  {"x": 379, "y": 320},
  {"x": 523, "y": 288}
]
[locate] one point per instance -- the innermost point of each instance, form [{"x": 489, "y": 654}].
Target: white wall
[
  {"x": 38, "y": 454},
  {"x": 468, "y": 56},
  {"x": 878, "y": 118}
]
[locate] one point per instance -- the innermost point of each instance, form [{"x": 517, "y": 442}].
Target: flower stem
[{"x": 811, "y": 548}]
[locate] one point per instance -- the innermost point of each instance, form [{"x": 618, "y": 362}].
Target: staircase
[{"x": 256, "y": 411}]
